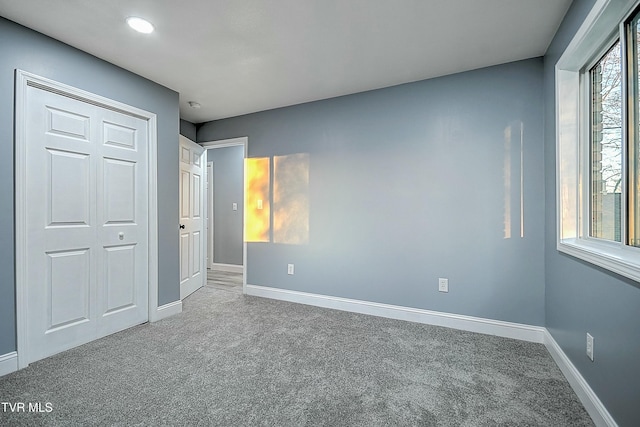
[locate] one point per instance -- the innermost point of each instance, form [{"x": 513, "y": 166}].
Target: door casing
[
  {"x": 209, "y": 197},
  {"x": 231, "y": 142}
]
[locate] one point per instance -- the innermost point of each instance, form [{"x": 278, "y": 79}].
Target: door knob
[{"x": 182, "y": 226}]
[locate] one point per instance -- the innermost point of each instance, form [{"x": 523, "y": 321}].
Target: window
[
  {"x": 598, "y": 139},
  {"x": 605, "y": 118},
  {"x": 632, "y": 34}
]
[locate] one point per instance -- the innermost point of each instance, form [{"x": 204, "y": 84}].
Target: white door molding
[
  {"x": 23, "y": 81},
  {"x": 234, "y": 142},
  {"x": 209, "y": 197}
]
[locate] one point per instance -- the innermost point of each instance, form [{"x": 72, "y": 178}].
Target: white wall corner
[
  {"x": 599, "y": 414},
  {"x": 8, "y": 363},
  {"x": 466, "y": 323},
  {"x": 167, "y": 310}
]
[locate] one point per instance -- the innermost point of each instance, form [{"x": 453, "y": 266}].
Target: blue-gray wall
[
  {"x": 582, "y": 298},
  {"x": 188, "y": 129},
  {"x": 228, "y": 166},
  {"x": 408, "y": 184},
  {"x": 30, "y": 51}
]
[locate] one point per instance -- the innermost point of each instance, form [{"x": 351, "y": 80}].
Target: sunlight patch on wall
[
  {"x": 507, "y": 182},
  {"x": 257, "y": 196},
  {"x": 513, "y": 180},
  {"x": 291, "y": 199}
]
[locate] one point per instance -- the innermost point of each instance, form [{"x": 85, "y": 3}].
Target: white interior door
[
  {"x": 87, "y": 225},
  {"x": 192, "y": 231}
]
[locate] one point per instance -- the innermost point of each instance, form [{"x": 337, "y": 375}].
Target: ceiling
[{"x": 236, "y": 57}]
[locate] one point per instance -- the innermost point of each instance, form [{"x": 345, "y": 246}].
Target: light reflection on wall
[
  {"x": 257, "y": 196},
  {"x": 290, "y": 222},
  {"x": 568, "y": 137},
  {"x": 291, "y": 199},
  {"x": 513, "y": 177},
  {"x": 507, "y": 182}
]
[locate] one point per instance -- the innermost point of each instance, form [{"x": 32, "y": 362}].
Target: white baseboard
[
  {"x": 232, "y": 268},
  {"x": 456, "y": 321},
  {"x": 167, "y": 310},
  {"x": 599, "y": 414},
  {"x": 8, "y": 363}
]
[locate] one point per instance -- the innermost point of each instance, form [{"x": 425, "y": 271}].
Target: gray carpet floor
[{"x": 235, "y": 360}]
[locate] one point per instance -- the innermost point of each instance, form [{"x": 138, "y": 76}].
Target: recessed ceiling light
[
  {"x": 140, "y": 25},
  {"x": 194, "y": 104}
]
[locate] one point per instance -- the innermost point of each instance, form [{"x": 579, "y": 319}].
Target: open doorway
[{"x": 226, "y": 248}]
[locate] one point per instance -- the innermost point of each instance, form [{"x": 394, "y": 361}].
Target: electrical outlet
[
  {"x": 259, "y": 204},
  {"x": 443, "y": 285},
  {"x": 234, "y": 206},
  {"x": 290, "y": 269},
  {"x": 590, "y": 346}
]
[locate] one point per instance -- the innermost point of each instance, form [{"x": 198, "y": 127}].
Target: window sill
[{"x": 614, "y": 257}]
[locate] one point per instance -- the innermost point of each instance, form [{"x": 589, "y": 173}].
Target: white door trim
[
  {"x": 233, "y": 142},
  {"x": 23, "y": 80},
  {"x": 209, "y": 198}
]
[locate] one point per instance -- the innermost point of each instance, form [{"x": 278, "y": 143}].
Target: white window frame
[{"x": 595, "y": 36}]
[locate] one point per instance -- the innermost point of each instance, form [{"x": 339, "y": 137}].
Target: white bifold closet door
[{"x": 87, "y": 225}]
